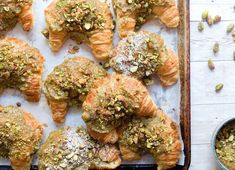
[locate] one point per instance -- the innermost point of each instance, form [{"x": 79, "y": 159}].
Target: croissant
[
  {"x": 158, "y": 135},
  {"x": 143, "y": 54},
  {"x": 21, "y": 68},
  {"x": 20, "y": 136},
  {"x": 131, "y": 14},
  {"x": 69, "y": 83},
  {"x": 12, "y": 11},
  {"x": 73, "y": 148},
  {"x": 111, "y": 102},
  {"x": 87, "y": 21}
]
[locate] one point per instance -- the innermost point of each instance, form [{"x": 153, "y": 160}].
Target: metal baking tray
[{"x": 179, "y": 40}]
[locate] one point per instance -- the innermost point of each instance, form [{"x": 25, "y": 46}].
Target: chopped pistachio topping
[
  {"x": 113, "y": 109},
  {"x": 17, "y": 64},
  {"x": 225, "y": 145},
  {"x": 72, "y": 148},
  {"x": 138, "y": 55},
  {"x": 147, "y": 134},
  {"x": 72, "y": 79},
  {"x": 143, "y": 8},
  {"x": 9, "y": 12},
  {"x": 78, "y": 16},
  {"x": 15, "y": 135}
]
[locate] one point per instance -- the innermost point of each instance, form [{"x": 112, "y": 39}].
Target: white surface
[
  {"x": 208, "y": 108},
  {"x": 167, "y": 99}
]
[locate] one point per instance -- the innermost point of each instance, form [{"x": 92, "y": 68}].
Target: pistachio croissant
[
  {"x": 87, "y": 21},
  {"x": 21, "y": 68},
  {"x": 73, "y": 148},
  {"x": 131, "y": 14},
  {"x": 20, "y": 136},
  {"x": 12, "y": 11},
  {"x": 158, "y": 136},
  {"x": 69, "y": 83},
  {"x": 143, "y": 54},
  {"x": 112, "y": 101}
]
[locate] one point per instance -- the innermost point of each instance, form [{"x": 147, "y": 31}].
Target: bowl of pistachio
[{"x": 223, "y": 144}]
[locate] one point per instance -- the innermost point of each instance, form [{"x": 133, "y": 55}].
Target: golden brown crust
[
  {"x": 143, "y": 54},
  {"x": 26, "y": 18},
  {"x": 111, "y": 102},
  {"x": 130, "y": 17},
  {"x": 21, "y": 146},
  {"x": 158, "y": 135},
  {"x": 99, "y": 39},
  {"x": 69, "y": 83},
  {"x": 30, "y": 61}
]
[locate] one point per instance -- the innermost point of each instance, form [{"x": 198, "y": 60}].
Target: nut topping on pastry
[
  {"x": 21, "y": 68},
  {"x": 12, "y": 11},
  {"x": 73, "y": 148},
  {"x": 69, "y": 83},
  {"x": 143, "y": 54},
  {"x": 20, "y": 136},
  {"x": 88, "y": 21},
  {"x": 131, "y": 14}
]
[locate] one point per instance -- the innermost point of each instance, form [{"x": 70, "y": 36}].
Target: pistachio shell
[
  {"x": 211, "y": 64},
  {"x": 230, "y": 28}
]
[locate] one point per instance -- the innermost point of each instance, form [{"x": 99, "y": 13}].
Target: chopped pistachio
[
  {"x": 211, "y": 64},
  {"x": 200, "y": 26},
  {"x": 87, "y": 25},
  {"x": 209, "y": 20},
  {"x": 18, "y": 104},
  {"x": 216, "y": 19},
  {"x": 230, "y": 28},
  {"x": 205, "y": 14},
  {"x": 216, "y": 47},
  {"x": 219, "y": 87}
]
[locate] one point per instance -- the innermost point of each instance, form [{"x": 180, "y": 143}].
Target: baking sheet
[{"x": 168, "y": 99}]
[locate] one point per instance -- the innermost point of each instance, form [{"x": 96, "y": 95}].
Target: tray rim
[{"x": 185, "y": 116}]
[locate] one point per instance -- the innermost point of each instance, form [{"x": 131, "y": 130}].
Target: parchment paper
[{"x": 168, "y": 99}]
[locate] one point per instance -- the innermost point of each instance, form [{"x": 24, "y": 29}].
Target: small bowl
[{"x": 217, "y": 130}]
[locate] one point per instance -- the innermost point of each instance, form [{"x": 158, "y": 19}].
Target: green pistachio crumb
[
  {"x": 219, "y": 87},
  {"x": 216, "y": 47},
  {"x": 205, "y": 14},
  {"x": 200, "y": 26},
  {"x": 211, "y": 64},
  {"x": 230, "y": 28}
]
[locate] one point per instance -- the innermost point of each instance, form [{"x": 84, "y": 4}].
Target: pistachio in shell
[
  {"x": 209, "y": 20},
  {"x": 200, "y": 26},
  {"x": 216, "y": 19},
  {"x": 230, "y": 28},
  {"x": 216, "y": 47},
  {"x": 205, "y": 14}
]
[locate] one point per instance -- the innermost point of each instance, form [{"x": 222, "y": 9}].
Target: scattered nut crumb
[
  {"x": 200, "y": 26},
  {"x": 209, "y": 20},
  {"x": 216, "y": 19},
  {"x": 18, "y": 104},
  {"x": 216, "y": 47},
  {"x": 205, "y": 14},
  {"x": 230, "y": 28},
  {"x": 219, "y": 87},
  {"x": 73, "y": 49},
  {"x": 211, "y": 64}
]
